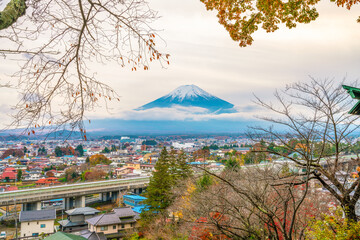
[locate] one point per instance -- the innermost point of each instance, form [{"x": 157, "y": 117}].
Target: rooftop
[
  {"x": 64, "y": 236},
  {"x": 134, "y": 197},
  {"x": 113, "y": 218},
  {"x": 27, "y": 216},
  {"x": 82, "y": 211}
]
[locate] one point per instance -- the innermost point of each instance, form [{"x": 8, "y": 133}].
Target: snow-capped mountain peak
[
  {"x": 191, "y": 96},
  {"x": 188, "y": 91}
]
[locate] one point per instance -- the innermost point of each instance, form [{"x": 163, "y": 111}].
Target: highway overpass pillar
[
  {"x": 80, "y": 201},
  {"x": 68, "y": 203},
  {"x": 114, "y": 196},
  {"x": 31, "y": 206},
  {"x": 105, "y": 197}
]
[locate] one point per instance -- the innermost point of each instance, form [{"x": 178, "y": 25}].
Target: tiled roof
[
  {"x": 67, "y": 223},
  {"x": 10, "y": 175},
  {"x": 92, "y": 235},
  {"x": 124, "y": 212},
  {"x": 104, "y": 219},
  {"x": 26, "y": 216},
  {"x": 113, "y": 218},
  {"x": 64, "y": 236},
  {"x": 82, "y": 211}
]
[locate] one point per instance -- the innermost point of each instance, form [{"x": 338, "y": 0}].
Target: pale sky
[{"x": 203, "y": 54}]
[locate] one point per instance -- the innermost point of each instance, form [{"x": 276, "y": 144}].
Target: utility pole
[
  {"x": 62, "y": 216},
  {"x": 16, "y": 228}
]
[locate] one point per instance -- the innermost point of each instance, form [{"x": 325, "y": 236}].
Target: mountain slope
[{"x": 191, "y": 96}]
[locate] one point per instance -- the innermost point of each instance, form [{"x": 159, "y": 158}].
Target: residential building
[
  {"x": 9, "y": 174},
  {"x": 34, "y": 223},
  {"x": 47, "y": 181},
  {"x": 76, "y": 218},
  {"x": 113, "y": 224},
  {"x": 133, "y": 200}
]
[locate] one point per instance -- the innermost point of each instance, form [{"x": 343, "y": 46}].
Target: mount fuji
[{"x": 191, "y": 96}]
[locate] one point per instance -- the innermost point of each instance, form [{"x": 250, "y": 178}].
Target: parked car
[{"x": 3, "y": 235}]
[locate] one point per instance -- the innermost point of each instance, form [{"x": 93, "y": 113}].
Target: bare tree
[
  {"x": 314, "y": 115},
  {"x": 252, "y": 203},
  {"x": 58, "y": 44}
]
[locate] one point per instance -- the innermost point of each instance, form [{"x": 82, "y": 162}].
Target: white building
[{"x": 34, "y": 223}]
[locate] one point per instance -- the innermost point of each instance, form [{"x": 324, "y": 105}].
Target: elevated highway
[{"x": 73, "y": 194}]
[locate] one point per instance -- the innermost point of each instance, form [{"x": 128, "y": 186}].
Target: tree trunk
[{"x": 349, "y": 210}]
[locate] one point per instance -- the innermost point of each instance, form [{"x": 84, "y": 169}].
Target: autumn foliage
[
  {"x": 95, "y": 174},
  {"x": 242, "y": 18},
  {"x": 12, "y": 152},
  {"x": 99, "y": 159}
]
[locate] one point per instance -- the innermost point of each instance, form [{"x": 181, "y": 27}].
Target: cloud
[{"x": 187, "y": 114}]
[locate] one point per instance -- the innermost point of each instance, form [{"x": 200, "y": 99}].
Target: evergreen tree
[
  {"x": 42, "y": 151},
  {"x": 58, "y": 152},
  {"x": 204, "y": 182},
  {"x": 80, "y": 150},
  {"x": 159, "y": 189},
  {"x": 113, "y": 148},
  {"x": 232, "y": 163},
  {"x": 106, "y": 150},
  {"x": 180, "y": 168},
  {"x": 19, "y": 175},
  {"x": 169, "y": 170}
]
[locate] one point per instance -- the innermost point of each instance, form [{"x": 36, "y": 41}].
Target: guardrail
[{"x": 71, "y": 187}]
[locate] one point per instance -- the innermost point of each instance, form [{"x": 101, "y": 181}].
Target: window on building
[
  {"x": 114, "y": 227},
  {"x": 28, "y": 223},
  {"x": 104, "y": 228},
  {"x": 35, "y": 234},
  {"x": 42, "y": 226},
  {"x": 122, "y": 225},
  {"x": 37, "y": 223}
]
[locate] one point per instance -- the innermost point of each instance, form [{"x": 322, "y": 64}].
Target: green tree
[
  {"x": 149, "y": 142},
  {"x": 232, "y": 163},
  {"x": 214, "y": 147},
  {"x": 58, "y": 152},
  {"x": 19, "y": 175},
  {"x": 159, "y": 190},
  {"x": 113, "y": 148},
  {"x": 179, "y": 168},
  {"x": 105, "y": 150},
  {"x": 204, "y": 182},
  {"x": 170, "y": 169},
  {"x": 42, "y": 151},
  {"x": 80, "y": 150}
]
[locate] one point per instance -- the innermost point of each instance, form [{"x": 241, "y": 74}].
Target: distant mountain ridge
[{"x": 191, "y": 96}]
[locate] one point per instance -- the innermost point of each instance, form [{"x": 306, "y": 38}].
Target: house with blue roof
[{"x": 133, "y": 200}]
